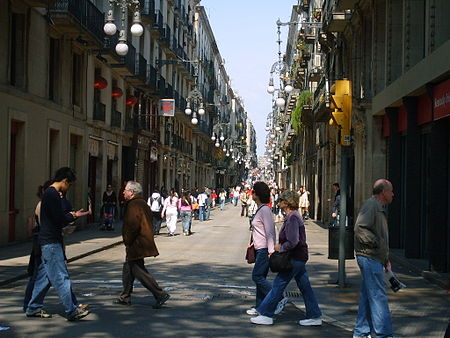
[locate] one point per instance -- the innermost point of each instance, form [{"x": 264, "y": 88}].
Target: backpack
[{"x": 156, "y": 204}]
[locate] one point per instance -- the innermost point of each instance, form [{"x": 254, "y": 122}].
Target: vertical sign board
[
  {"x": 441, "y": 96},
  {"x": 167, "y": 107}
]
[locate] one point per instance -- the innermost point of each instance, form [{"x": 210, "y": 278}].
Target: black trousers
[{"x": 136, "y": 270}]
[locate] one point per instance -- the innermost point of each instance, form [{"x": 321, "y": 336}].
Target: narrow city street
[
  {"x": 211, "y": 287},
  {"x": 206, "y": 274}
]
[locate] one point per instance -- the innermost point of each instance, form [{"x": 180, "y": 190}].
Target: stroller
[{"x": 109, "y": 211}]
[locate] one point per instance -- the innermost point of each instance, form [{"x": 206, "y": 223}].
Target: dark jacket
[
  {"x": 293, "y": 237},
  {"x": 371, "y": 231},
  {"x": 137, "y": 230}
]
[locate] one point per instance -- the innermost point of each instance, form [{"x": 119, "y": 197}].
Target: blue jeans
[
  {"x": 201, "y": 213},
  {"x": 186, "y": 219},
  {"x": 222, "y": 204},
  {"x": 281, "y": 281},
  {"x": 207, "y": 213},
  {"x": 373, "y": 311},
  {"x": 235, "y": 200},
  {"x": 259, "y": 275},
  {"x": 52, "y": 270}
]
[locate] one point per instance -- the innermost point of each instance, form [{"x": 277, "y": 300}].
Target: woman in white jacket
[{"x": 170, "y": 212}]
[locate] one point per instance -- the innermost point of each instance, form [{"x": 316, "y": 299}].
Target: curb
[{"x": 72, "y": 259}]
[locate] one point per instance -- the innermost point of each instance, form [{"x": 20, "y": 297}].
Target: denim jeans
[
  {"x": 373, "y": 311},
  {"x": 259, "y": 275},
  {"x": 156, "y": 220},
  {"x": 207, "y": 213},
  {"x": 52, "y": 270},
  {"x": 186, "y": 219},
  {"x": 201, "y": 213},
  {"x": 281, "y": 281},
  {"x": 222, "y": 204}
]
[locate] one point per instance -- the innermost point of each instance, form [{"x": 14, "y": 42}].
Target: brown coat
[{"x": 137, "y": 230}]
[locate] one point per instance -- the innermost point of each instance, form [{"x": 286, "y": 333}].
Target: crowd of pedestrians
[{"x": 54, "y": 218}]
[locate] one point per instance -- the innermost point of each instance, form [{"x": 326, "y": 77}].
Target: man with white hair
[{"x": 137, "y": 234}]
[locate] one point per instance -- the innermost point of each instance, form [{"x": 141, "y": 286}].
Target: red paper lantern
[
  {"x": 131, "y": 100},
  {"x": 100, "y": 83},
  {"x": 116, "y": 92}
]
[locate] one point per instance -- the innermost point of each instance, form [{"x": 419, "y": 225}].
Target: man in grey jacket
[{"x": 372, "y": 254}]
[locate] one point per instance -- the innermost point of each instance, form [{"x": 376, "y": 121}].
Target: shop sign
[
  {"x": 93, "y": 147},
  {"x": 167, "y": 107},
  {"x": 441, "y": 102},
  {"x": 110, "y": 151}
]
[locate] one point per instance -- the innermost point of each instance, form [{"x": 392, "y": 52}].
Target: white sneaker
[
  {"x": 281, "y": 304},
  {"x": 252, "y": 312},
  {"x": 311, "y": 322},
  {"x": 262, "y": 320}
]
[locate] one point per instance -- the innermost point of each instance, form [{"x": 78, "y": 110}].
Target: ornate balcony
[{"x": 79, "y": 19}]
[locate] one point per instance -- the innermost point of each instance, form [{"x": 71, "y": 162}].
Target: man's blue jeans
[
  {"x": 373, "y": 311},
  {"x": 281, "y": 281},
  {"x": 259, "y": 275},
  {"x": 201, "y": 213},
  {"x": 54, "y": 270},
  {"x": 186, "y": 219},
  {"x": 222, "y": 204}
]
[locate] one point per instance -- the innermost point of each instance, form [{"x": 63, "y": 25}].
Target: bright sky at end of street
[{"x": 246, "y": 35}]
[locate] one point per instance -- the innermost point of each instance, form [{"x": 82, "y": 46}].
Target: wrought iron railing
[{"x": 85, "y": 12}]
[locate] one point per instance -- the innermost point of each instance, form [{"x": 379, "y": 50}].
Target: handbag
[
  {"x": 280, "y": 262},
  {"x": 250, "y": 255}
]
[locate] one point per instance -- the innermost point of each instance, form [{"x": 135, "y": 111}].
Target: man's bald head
[{"x": 383, "y": 191}]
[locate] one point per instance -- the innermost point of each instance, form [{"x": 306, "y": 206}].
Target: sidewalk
[
  {"x": 420, "y": 310},
  {"x": 86, "y": 241}
]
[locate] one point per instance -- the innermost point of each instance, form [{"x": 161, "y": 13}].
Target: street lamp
[{"x": 110, "y": 28}]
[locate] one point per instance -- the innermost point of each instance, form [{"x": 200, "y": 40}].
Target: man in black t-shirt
[{"x": 54, "y": 221}]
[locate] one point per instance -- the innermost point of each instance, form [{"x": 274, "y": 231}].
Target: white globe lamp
[
  {"x": 280, "y": 102},
  {"x": 110, "y": 28},
  {"x": 137, "y": 29},
  {"x": 194, "y": 120},
  {"x": 188, "y": 111},
  {"x": 288, "y": 88},
  {"x": 122, "y": 49}
]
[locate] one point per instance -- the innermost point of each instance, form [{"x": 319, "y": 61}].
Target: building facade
[
  {"x": 70, "y": 100},
  {"x": 395, "y": 53}
]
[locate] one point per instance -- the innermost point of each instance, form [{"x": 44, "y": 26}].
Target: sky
[{"x": 246, "y": 35}]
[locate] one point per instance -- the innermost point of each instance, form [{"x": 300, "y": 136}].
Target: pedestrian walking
[
  {"x": 155, "y": 201},
  {"x": 185, "y": 208},
  {"x": 202, "y": 201},
  {"x": 304, "y": 202},
  {"x": 243, "y": 196},
  {"x": 53, "y": 269},
  {"x": 213, "y": 198},
  {"x": 137, "y": 234},
  {"x": 263, "y": 240},
  {"x": 222, "y": 198},
  {"x": 292, "y": 239},
  {"x": 335, "y": 210},
  {"x": 372, "y": 256},
  {"x": 109, "y": 208},
  {"x": 252, "y": 208},
  {"x": 170, "y": 212}
]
